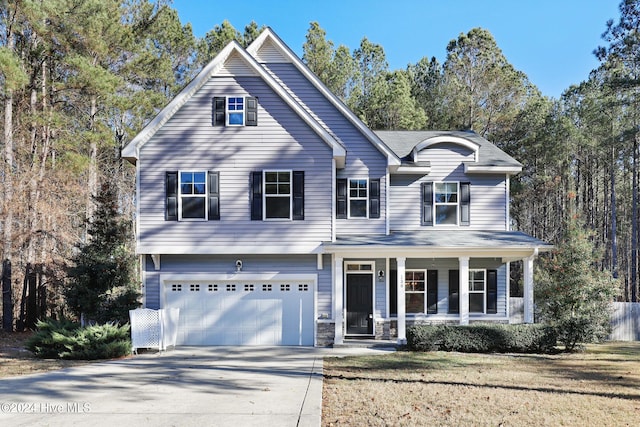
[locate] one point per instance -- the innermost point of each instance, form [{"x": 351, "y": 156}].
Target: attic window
[{"x": 234, "y": 111}]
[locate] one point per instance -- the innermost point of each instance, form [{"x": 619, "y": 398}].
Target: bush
[
  {"x": 482, "y": 338},
  {"x": 63, "y": 339}
]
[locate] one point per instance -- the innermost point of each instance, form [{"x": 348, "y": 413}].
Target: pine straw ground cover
[
  {"x": 598, "y": 387},
  {"x": 16, "y": 360}
]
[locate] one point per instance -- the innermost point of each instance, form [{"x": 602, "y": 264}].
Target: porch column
[
  {"x": 527, "y": 267},
  {"x": 402, "y": 311},
  {"x": 338, "y": 301},
  {"x": 463, "y": 300}
]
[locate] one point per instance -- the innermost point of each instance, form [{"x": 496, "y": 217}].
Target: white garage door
[{"x": 243, "y": 313}]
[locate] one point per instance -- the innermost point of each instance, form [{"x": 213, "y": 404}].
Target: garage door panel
[{"x": 241, "y": 313}]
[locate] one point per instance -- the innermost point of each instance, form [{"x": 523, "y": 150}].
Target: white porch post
[
  {"x": 463, "y": 300},
  {"x": 402, "y": 311},
  {"x": 338, "y": 301},
  {"x": 527, "y": 264}
]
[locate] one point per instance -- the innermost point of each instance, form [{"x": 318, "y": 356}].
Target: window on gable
[
  {"x": 192, "y": 195},
  {"x": 235, "y": 108},
  {"x": 234, "y": 111}
]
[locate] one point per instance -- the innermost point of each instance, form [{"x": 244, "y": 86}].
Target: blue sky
[{"x": 551, "y": 41}]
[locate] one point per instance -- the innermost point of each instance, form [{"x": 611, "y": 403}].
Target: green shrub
[
  {"x": 482, "y": 338},
  {"x": 63, "y": 339}
]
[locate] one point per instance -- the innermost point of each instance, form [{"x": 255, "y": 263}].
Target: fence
[{"x": 625, "y": 319}]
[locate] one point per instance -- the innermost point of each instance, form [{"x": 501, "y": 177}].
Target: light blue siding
[{"x": 189, "y": 142}]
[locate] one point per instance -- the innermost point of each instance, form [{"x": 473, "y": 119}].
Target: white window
[
  {"x": 192, "y": 198},
  {"x": 235, "y": 111},
  {"x": 358, "y": 192},
  {"x": 277, "y": 194},
  {"x": 477, "y": 289},
  {"x": 415, "y": 286},
  {"x": 445, "y": 198}
]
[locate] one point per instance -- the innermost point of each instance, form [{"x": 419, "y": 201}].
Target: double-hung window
[
  {"x": 234, "y": 111},
  {"x": 446, "y": 203},
  {"x": 277, "y": 194},
  {"x": 415, "y": 285},
  {"x": 358, "y": 198},
  {"x": 192, "y": 195},
  {"x": 192, "y": 201},
  {"x": 477, "y": 289}
]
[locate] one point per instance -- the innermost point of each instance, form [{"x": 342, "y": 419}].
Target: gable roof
[
  {"x": 488, "y": 157},
  {"x": 236, "y": 52},
  {"x": 278, "y": 51}
]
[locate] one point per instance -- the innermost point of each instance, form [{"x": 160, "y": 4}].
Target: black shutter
[
  {"x": 218, "y": 110},
  {"x": 256, "y": 196},
  {"x": 341, "y": 198},
  {"x": 214, "y": 195},
  {"x": 298, "y": 195},
  {"x": 171, "y": 191},
  {"x": 432, "y": 291},
  {"x": 393, "y": 293},
  {"x": 465, "y": 202},
  {"x": 492, "y": 291},
  {"x": 427, "y": 203},
  {"x": 374, "y": 198},
  {"x": 454, "y": 289},
  {"x": 251, "y": 111}
]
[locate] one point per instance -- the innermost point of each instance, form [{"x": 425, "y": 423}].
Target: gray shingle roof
[
  {"x": 403, "y": 142},
  {"x": 463, "y": 239}
]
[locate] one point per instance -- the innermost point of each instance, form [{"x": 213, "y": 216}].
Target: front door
[{"x": 359, "y": 304}]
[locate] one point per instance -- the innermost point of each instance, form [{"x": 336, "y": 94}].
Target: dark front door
[{"x": 359, "y": 304}]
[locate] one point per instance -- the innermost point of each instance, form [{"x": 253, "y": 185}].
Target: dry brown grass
[
  {"x": 599, "y": 387},
  {"x": 16, "y": 360}
]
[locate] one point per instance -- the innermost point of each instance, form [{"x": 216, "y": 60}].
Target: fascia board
[
  {"x": 132, "y": 149},
  {"x": 392, "y": 158}
]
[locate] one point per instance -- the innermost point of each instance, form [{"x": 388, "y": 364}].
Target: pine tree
[
  {"x": 101, "y": 285},
  {"x": 571, "y": 293}
]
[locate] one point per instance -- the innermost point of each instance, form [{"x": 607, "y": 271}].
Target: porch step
[{"x": 367, "y": 343}]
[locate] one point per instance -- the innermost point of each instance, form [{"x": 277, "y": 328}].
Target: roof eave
[{"x": 392, "y": 159}]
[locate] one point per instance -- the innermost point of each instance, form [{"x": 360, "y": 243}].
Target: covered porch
[{"x": 441, "y": 276}]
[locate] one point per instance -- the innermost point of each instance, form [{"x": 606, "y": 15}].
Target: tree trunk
[
  {"x": 8, "y": 167},
  {"x": 7, "y": 297}
]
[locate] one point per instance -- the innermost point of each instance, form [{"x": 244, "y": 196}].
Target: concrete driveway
[{"x": 188, "y": 386}]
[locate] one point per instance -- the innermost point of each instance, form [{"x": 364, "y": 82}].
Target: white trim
[
  {"x": 463, "y": 291},
  {"x": 446, "y": 138},
  {"x": 228, "y": 112},
  {"x": 484, "y": 291},
  {"x": 204, "y": 196},
  {"x": 366, "y": 198},
  {"x": 400, "y": 299},
  {"x": 489, "y": 169},
  {"x": 156, "y": 261},
  {"x": 418, "y": 170},
  {"x": 264, "y": 194},
  {"x": 435, "y": 204},
  {"x": 338, "y": 299},
  {"x": 268, "y": 33},
  {"x": 372, "y": 273},
  {"x": 507, "y": 222},
  {"x": 132, "y": 149},
  {"x": 387, "y": 211}
]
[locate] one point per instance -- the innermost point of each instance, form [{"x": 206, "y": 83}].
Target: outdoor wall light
[
  {"x": 239, "y": 265},
  {"x": 380, "y": 275}
]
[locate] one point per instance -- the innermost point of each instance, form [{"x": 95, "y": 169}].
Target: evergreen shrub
[
  {"x": 482, "y": 338},
  {"x": 63, "y": 339}
]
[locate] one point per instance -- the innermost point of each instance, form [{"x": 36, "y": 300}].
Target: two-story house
[{"x": 269, "y": 214}]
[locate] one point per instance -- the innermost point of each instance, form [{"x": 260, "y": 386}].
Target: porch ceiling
[{"x": 508, "y": 245}]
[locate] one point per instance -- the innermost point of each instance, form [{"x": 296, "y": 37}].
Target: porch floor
[{"x": 367, "y": 343}]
